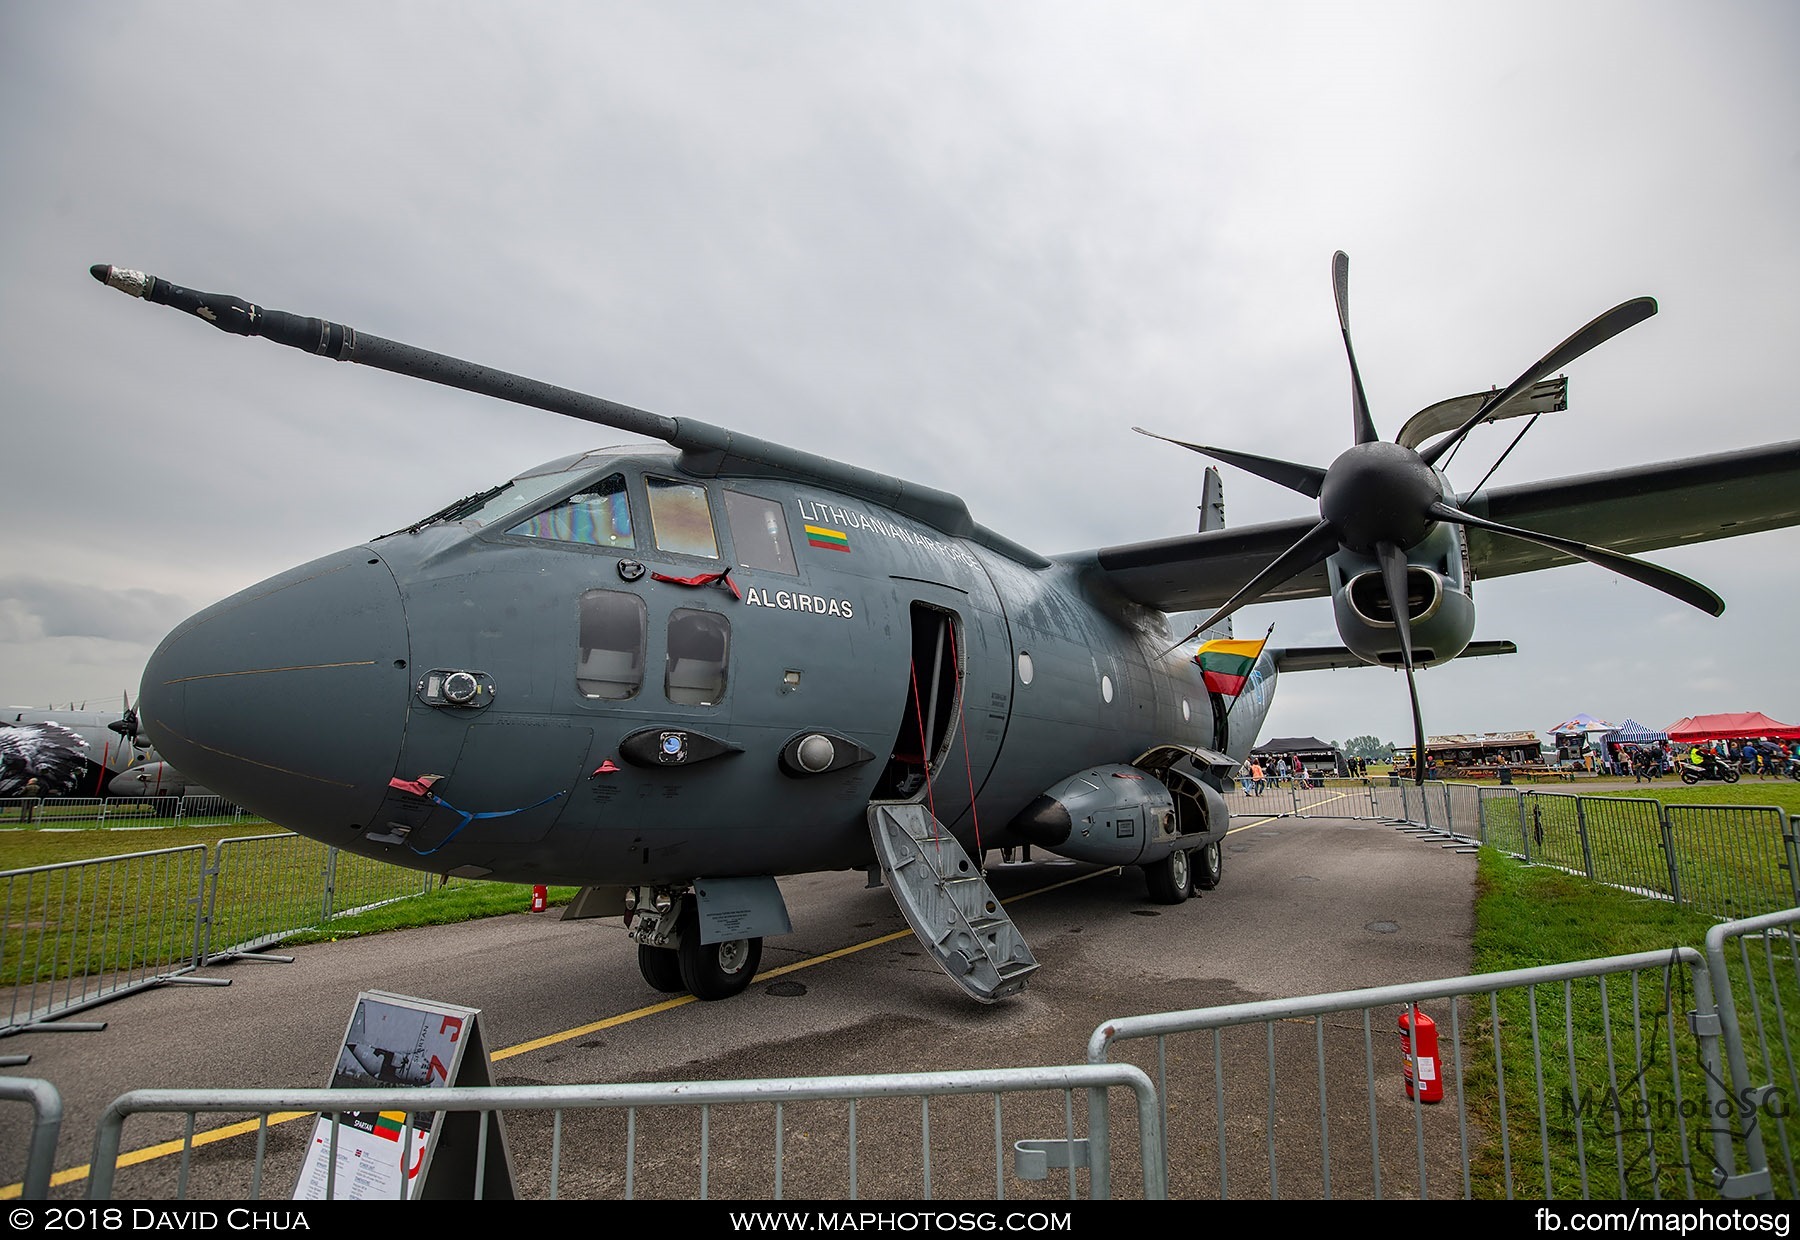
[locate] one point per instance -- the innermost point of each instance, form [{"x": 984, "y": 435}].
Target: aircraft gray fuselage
[{"x": 618, "y": 726}]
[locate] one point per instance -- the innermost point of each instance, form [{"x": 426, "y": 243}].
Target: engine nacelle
[
  {"x": 1438, "y": 603},
  {"x": 1109, "y": 815}
]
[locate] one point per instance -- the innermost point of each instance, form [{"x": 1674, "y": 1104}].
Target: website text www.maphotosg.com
[{"x": 901, "y": 1220}]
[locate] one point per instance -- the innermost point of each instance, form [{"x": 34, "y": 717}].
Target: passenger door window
[
  {"x": 699, "y": 646},
  {"x": 614, "y": 626}
]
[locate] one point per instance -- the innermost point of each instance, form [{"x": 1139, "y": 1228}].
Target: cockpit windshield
[{"x": 528, "y": 488}]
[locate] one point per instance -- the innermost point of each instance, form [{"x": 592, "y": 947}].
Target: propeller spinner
[{"x": 1379, "y": 499}]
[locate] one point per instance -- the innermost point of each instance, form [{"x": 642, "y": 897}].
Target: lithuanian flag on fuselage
[{"x": 1225, "y": 664}]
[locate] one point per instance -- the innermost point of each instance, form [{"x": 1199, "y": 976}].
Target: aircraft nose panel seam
[
  {"x": 238, "y": 757},
  {"x": 263, "y": 671}
]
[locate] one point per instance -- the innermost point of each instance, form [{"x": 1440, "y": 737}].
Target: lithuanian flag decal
[
  {"x": 830, "y": 539},
  {"x": 388, "y": 1124},
  {"x": 1225, "y": 664}
]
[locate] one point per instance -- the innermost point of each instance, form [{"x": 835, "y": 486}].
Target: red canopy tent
[{"x": 1731, "y": 727}]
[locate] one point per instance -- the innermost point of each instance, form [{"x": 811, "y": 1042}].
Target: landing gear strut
[{"x": 673, "y": 959}]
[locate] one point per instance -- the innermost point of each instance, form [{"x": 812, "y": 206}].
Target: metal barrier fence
[
  {"x": 46, "y": 1126},
  {"x": 1597, "y": 1078},
  {"x": 1759, "y": 1005},
  {"x": 1328, "y": 1115},
  {"x": 1722, "y": 860},
  {"x": 82, "y": 933},
  {"x": 1668, "y": 1074},
  {"x": 178, "y": 811},
  {"x": 750, "y": 1139}
]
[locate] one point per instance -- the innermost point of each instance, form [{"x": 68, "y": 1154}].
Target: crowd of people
[
  {"x": 1255, "y": 778},
  {"x": 1763, "y": 757}
]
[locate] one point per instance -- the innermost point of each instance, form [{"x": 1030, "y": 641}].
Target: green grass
[
  {"x": 442, "y": 906},
  {"x": 133, "y": 908},
  {"x": 1596, "y": 1041},
  {"x": 1732, "y": 865}
]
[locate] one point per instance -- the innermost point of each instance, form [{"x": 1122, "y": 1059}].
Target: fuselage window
[
  {"x": 759, "y": 532},
  {"x": 599, "y": 516},
  {"x": 699, "y": 643},
  {"x": 614, "y": 625},
  {"x": 680, "y": 518}
]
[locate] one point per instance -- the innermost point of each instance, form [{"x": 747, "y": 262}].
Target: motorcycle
[{"x": 1714, "y": 768}]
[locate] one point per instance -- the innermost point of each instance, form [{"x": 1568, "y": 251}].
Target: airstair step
[{"x": 948, "y": 903}]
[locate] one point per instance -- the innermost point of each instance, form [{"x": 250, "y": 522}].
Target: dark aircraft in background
[
  {"x": 72, "y": 753},
  {"x": 153, "y": 778},
  {"x": 671, "y": 674}
]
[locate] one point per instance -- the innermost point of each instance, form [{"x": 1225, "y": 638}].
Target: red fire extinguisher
[
  {"x": 540, "y": 898},
  {"x": 1422, "y": 1061}
]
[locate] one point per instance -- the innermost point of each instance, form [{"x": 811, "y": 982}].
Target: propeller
[
  {"x": 1379, "y": 498},
  {"x": 126, "y": 724}
]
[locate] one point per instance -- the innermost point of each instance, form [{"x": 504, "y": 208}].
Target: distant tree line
[{"x": 1368, "y": 748}]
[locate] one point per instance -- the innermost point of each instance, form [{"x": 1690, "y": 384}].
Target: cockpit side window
[
  {"x": 680, "y": 518},
  {"x": 759, "y": 532},
  {"x": 614, "y": 625},
  {"x": 699, "y": 646},
  {"x": 599, "y": 516}
]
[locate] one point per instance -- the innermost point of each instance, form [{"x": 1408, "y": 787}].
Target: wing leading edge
[{"x": 1631, "y": 510}]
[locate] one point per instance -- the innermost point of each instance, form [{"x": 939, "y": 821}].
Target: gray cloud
[{"x": 33, "y": 609}]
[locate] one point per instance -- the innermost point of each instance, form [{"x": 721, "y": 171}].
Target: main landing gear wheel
[
  {"x": 661, "y": 969},
  {"x": 1208, "y": 866},
  {"x": 1169, "y": 879},
  {"x": 715, "y": 970}
]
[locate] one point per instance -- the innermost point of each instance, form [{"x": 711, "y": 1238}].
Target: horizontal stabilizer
[{"x": 1320, "y": 658}]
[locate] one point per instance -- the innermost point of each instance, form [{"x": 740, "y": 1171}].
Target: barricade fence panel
[
  {"x": 197, "y": 810},
  {"x": 1656, "y": 1075},
  {"x": 905, "y": 1137},
  {"x": 79, "y": 933},
  {"x": 1623, "y": 843},
  {"x": 1722, "y": 860},
  {"x": 1755, "y": 963},
  {"x": 72, "y": 935},
  {"x": 32, "y": 1161},
  {"x": 1568, "y": 1081},
  {"x": 1734, "y": 860}
]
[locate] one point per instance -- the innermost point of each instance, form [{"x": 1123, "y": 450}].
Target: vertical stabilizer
[{"x": 1212, "y": 501}]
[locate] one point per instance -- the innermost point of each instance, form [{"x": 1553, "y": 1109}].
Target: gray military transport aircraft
[{"x": 670, "y": 674}]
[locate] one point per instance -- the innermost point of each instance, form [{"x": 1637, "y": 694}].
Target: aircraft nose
[{"x": 289, "y": 698}]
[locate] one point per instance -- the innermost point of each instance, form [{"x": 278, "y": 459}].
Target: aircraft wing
[
  {"x": 1642, "y": 508},
  {"x": 1200, "y": 571},
  {"x": 1635, "y": 509}
]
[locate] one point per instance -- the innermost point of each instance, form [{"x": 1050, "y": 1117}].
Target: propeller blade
[
  {"x": 1625, "y": 314},
  {"x": 1363, "y": 425},
  {"x": 1655, "y": 576},
  {"x": 1393, "y": 576},
  {"x": 1306, "y": 479},
  {"x": 1314, "y": 545}
]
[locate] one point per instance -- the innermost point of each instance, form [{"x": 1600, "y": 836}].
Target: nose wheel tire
[
  {"x": 1208, "y": 866},
  {"x": 715, "y": 970},
  {"x": 661, "y": 969},
  {"x": 1170, "y": 879}
]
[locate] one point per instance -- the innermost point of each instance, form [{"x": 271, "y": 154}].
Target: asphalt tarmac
[{"x": 1305, "y": 906}]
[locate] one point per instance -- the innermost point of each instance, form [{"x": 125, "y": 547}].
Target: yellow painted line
[{"x": 211, "y": 1136}]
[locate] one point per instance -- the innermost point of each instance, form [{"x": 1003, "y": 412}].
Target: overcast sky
[{"x": 970, "y": 243}]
